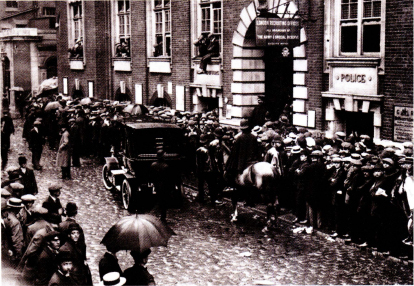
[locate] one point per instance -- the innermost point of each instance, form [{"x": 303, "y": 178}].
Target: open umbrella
[
  {"x": 135, "y": 109},
  {"x": 137, "y": 232},
  {"x": 52, "y": 105},
  {"x": 85, "y": 101}
]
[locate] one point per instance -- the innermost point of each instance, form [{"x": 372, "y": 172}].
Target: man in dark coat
[
  {"x": 71, "y": 212},
  {"x": 27, "y": 177},
  {"x": 244, "y": 152},
  {"x": 36, "y": 144},
  {"x": 138, "y": 274},
  {"x": 7, "y": 128},
  {"x": 213, "y": 50},
  {"x": 47, "y": 263},
  {"x": 258, "y": 117},
  {"x": 52, "y": 203},
  {"x": 162, "y": 178},
  {"x": 109, "y": 263}
]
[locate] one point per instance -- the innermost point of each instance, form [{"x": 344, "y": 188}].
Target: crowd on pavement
[{"x": 351, "y": 185}]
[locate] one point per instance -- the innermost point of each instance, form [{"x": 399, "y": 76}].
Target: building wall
[{"x": 398, "y": 78}]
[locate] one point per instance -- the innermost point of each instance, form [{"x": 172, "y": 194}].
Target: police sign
[{"x": 277, "y": 31}]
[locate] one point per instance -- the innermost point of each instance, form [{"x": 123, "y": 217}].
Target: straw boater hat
[
  {"x": 113, "y": 279},
  {"x": 15, "y": 203}
]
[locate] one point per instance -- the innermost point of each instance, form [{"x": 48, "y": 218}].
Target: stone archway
[{"x": 248, "y": 63}]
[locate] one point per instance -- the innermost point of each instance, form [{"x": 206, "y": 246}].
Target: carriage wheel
[
  {"x": 105, "y": 178},
  {"x": 127, "y": 196}
]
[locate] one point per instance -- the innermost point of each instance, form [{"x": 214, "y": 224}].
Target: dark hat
[
  {"x": 203, "y": 138},
  {"x": 74, "y": 226},
  {"x": 52, "y": 234},
  {"x": 277, "y": 138},
  {"x": 63, "y": 256},
  {"x": 378, "y": 167},
  {"x": 302, "y": 130},
  {"x": 71, "y": 209},
  {"x": 218, "y": 132},
  {"x": 15, "y": 203},
  {"x": 54, "y": 188},
  {"x": 244, "y": 124},
  {"x": 140, "y": 255},
  {"x": 22, "y": 160}
]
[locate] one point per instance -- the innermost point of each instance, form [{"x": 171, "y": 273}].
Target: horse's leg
[{"x": 234, "y": 200}]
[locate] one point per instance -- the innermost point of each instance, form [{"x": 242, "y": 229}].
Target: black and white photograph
[{"x": 206, "y": 142}]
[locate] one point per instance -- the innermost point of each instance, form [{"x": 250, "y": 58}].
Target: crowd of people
[{"x": 357, "y": 188}]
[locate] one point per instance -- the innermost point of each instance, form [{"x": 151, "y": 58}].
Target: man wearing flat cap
[
  {"x": 52, "y": 203},
  {"x": 47, "y": 263},
  {"x": 12, "y": 230}
]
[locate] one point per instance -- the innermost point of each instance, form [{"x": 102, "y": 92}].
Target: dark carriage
[{"x": 128, "y": 171}]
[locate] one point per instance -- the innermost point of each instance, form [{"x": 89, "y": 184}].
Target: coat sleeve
[{"x": 17, "y": 237}]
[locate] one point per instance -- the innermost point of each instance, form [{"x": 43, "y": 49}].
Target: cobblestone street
[{"x": 208, "y": 249}]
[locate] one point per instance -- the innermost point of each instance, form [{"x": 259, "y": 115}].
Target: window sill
[
  {"x": 159, "y": 64},
  {"x": 76, "y": 64},
  {"x": 121, "y": 64},
  {"x": 354, "y": 61}
]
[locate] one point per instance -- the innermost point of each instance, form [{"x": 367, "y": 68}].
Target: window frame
[
  {"x": 199, "y": 28},
  {"x": 12, "y": 5},
  {"x": 360, "y": 21},
  {"x": 71, "y": 24},
  {"x": 161, "y": 27}
]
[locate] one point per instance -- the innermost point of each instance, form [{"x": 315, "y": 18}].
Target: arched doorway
[
  {"x": 266, "y": 71},
  {"x": 119, "y": 96},
  {"x": 51, "y": 67},
  {"x": 164, "y": 101}
]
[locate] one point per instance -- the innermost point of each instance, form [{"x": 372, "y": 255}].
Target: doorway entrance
[
  {"x": 278, "y": 79},
  {"x": 357, "y": 123}
]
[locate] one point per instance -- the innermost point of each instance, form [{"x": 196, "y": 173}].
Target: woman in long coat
[{"x": 63, "y": 154}]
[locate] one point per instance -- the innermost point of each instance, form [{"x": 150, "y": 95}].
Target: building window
[
  {"x": 360, "y": 26},
  {"x": 211, "y": 19},
  {"x": 77, "y": 20},
  {"x": 162, "y": 18},
  {"x": 76, "y": 29},
  {"x": 123, "y": 28},
  {"x": 11, "y": 4},
  {"x": 49, "y": 11}
]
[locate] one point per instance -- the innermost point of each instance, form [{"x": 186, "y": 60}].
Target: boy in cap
[{"x": 138, "y": 274}]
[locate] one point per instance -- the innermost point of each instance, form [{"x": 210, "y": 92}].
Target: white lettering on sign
[{"x": 359, "y": 78}]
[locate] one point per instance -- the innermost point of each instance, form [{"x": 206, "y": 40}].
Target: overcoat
[
  {"x": 28, "y": 180},
  {"x": 63, "y": 154}
]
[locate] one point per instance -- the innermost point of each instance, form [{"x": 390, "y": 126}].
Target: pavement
[{"x": 208, "y": 249}]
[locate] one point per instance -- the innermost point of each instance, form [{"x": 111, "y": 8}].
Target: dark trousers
[
  {"x": 205, "y": 60},
  {"x": 4, "y": 157},
  {"x": 75, "y": 157},
  {"x": 211, "y": 179},
  {"x": 36, "y": 155},
  {"x": 300, "y": 205},
  {"x": 66, "y": 173}
]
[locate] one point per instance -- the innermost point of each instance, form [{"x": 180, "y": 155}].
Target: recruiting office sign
[
  {"x": 277, "y": 31},
  {"x": 403, "y": 123}
]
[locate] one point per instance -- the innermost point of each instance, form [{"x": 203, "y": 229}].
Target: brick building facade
[{"x": 144, "y": 51}]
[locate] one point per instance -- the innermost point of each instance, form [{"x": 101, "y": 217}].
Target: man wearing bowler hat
[
  {"x": 71, "y": 212},
  {"x": 36, "y": 143}
]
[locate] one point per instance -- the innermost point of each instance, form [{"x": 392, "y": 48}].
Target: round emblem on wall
[
  {"x": 337, "y": 77},
  {"x": 285, "y": 52}
]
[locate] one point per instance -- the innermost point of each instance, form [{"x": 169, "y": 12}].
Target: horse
[{"x": 261, "y": 177}]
